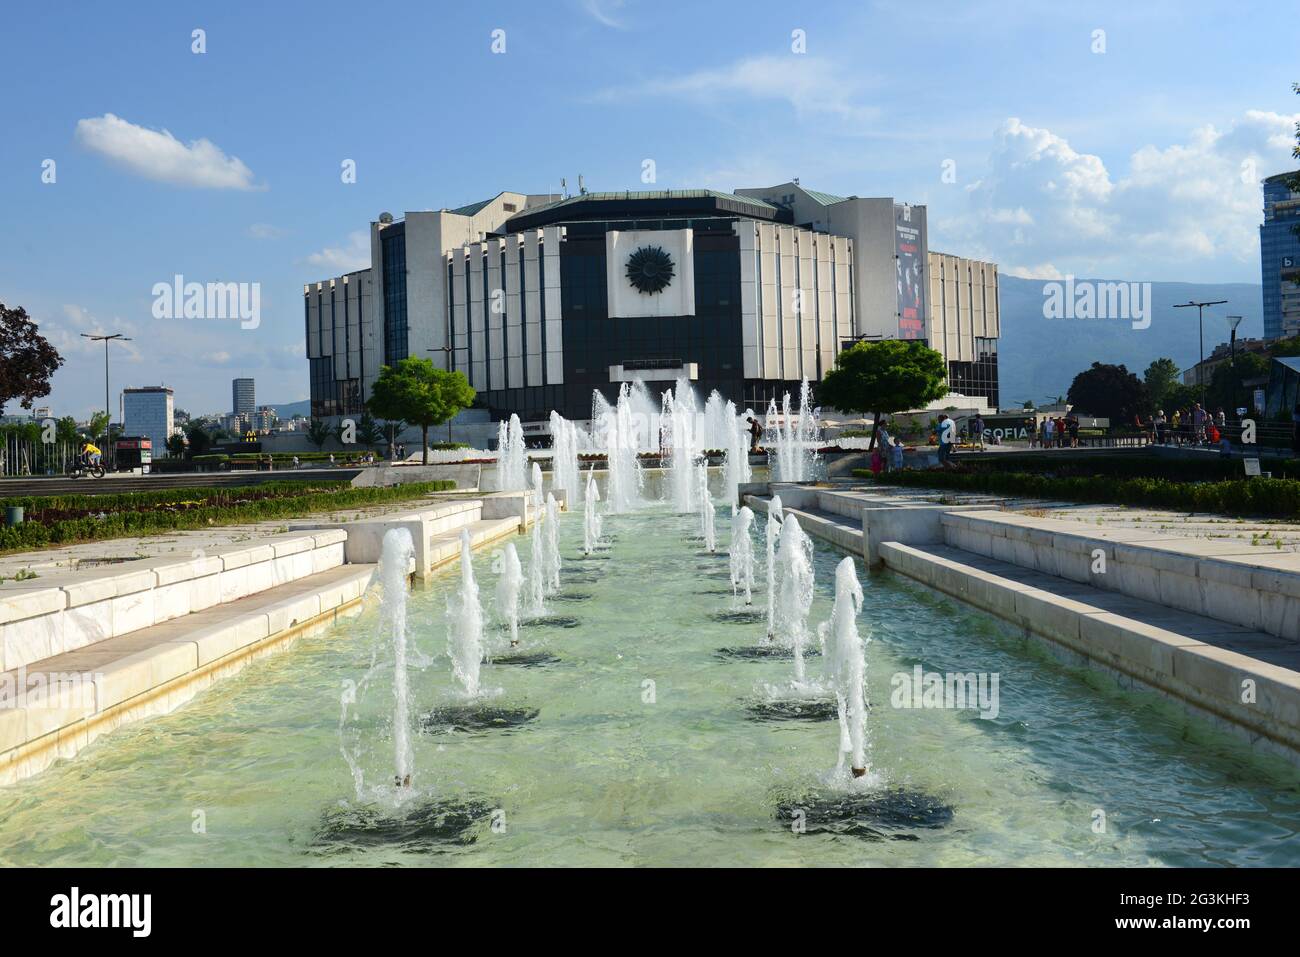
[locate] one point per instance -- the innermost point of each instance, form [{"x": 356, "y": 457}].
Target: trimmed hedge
[
  {"x": 1205, "y": 468},
  {"x": 144, "y": 513},
  {"x": 1272, "y": 498}
]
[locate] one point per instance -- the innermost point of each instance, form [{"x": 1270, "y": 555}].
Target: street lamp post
[
  {"x": 1200, "y": 320},
  {"x": 447, "y": 350},
  {"x": 108, "y": 415},
  {"x": 1233, "y": 322}
]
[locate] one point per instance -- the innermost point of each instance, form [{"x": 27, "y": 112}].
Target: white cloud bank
[
  {"x": 159, "y": 156},
  {"x": 355, "y": 255},
  {"x": 1044, "y": 208}
]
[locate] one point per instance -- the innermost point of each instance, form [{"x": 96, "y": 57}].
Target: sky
[{"x": 1109, "y": 140}]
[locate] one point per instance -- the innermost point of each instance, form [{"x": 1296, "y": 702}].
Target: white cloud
[
  {"x": 65, "y": 334},
  {"x": 355, "y": 255},
  {"x": 811, "y": 85},
  {"x": 1044, "y": 208},
  {"x": 605, "y": 12},
  {"x": 157, "y": 155}
]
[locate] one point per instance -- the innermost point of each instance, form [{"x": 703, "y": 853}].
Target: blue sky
[{"x": 1140, "y": 162}]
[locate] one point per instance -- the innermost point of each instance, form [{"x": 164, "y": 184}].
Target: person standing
[
  {"x": 896, "y": 455},
  {"x": 977, "y": 431},
  {"x": 1049, "y": 431},
  {"x": 755, "y": 435},
  {"x": 947, "y": 435}
]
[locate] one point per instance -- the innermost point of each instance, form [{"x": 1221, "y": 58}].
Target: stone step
[
  {"x": 66, "y": 610},
  {"x": 1242, "y": 679},
  {"x": 55, "y": 706}
]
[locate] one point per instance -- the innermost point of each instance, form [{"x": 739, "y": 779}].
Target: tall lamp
[{"x": 1233, "y": 322}]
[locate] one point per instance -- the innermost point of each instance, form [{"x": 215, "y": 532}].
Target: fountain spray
[
  {"x": 796, "y": 591},
  {"x": 509, "y": 584},
  {"x": 512, "y": 456},
  {"x": 465, "y": 625},
  {"x": 394, "y": 565},
  {"x": 774, "y": 516},
  {"x": 848, "y": 666},
  {"x": 591, "y": 517},
  {"x": 551, "y": 544},
  {"x": 707, "y": 527},
  {"x": 742, "y": 554}
]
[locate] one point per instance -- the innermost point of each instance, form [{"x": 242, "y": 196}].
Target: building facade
[
  {"x": 243, "y": 399},
  {"x": 147, "y": 412},
  {"x": 964, "y": 323},
  {"x": 1279, "y": 256},
  {"x": 540, "y": 300}
]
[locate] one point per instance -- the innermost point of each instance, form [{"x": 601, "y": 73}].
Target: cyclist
[{"x": 90, "y": 455}]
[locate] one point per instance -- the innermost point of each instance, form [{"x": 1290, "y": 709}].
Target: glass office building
[{"x": 1279, "y": 256}]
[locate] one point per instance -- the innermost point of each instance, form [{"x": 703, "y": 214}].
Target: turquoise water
[{"x": 616, "y": 771}]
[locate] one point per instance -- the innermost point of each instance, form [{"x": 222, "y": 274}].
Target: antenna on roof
[
  {"x": 564, "y": 187},
  {"x": 582, "y": 189}
]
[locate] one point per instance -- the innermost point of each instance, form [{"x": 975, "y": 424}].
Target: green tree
[
  {"x": 369, "y": 432},
  {"x": 97, "y": 427},
  {"x": 418, "y": 392},
  {"x": 1109, "y": 391},
  {"x": 200, "y": 438},
  {"x": 1224, "y": 390},
  {"x": 877, "y": 378},
  {"x": 65, "y": 430},
  {"x": 318, "y": 433},
  {"x": 1161, "y": 376},
  {"x": 27, "y": 360}
]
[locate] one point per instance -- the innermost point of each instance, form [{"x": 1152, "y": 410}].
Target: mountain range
[{"x": 1038, "y": 357}]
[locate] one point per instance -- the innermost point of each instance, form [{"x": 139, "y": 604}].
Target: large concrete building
[
  {"x": 1279, "y": 257},
  {"x": 540, "y": 300},
  {"x": 147, "y": 412}
]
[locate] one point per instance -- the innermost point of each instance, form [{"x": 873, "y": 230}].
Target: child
[
  {"x": 877, "y": 461},
  {"x": 896, "y": 455}
]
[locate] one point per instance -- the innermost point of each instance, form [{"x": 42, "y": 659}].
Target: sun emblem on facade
[{"x": 650, "y": 269}]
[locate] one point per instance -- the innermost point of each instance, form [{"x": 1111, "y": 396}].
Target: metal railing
[{"x": 20, "y": 457}]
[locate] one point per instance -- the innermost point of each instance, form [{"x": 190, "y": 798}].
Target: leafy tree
[
  {"x": 97, "y": 427},
  {"x": 894, "y": 375},
  {"x": 369, "y": 432},
  {"x": 1224, "y": 384},
  {"x": 1161, "y": 376},
  {"x": 176, "y": 444},
  {"x": 65, "y": 430},
  {"x": 200, "y": 438},
  {"x": 27, "y": 360},
  {"x": 1109, "y": 391},
  {"x": 418, "y": 392},
  {"x": 318, "y": 433}
]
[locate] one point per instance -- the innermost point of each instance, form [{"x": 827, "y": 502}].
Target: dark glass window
[{"x": 396, "y": 340}]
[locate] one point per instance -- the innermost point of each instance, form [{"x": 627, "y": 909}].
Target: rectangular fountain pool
[{"x": 652, "y": 746}]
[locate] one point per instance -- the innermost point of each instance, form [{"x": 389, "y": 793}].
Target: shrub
[
  {"x": 62, "y": 519},
  {"x": 1275, "y": 498}
]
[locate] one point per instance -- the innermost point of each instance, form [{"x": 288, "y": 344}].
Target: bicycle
[{"x": 93, "y": 470}]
